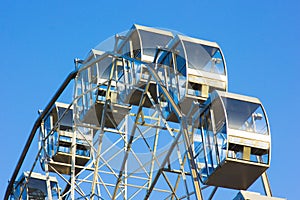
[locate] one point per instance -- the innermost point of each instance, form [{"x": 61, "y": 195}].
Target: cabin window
[{"x": 245, "y": 116}]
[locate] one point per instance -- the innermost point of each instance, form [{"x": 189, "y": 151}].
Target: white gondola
[
  {"x": 197, "y": 68},
  {"x": 141, "y": 43},
  {"x": 232, "y": 140},
  {"x": 120, "y": 80},
  {"x": 35, "y": 186},
  {"x": 98, "y": 83},
  {"x": 57, "y": 134}
]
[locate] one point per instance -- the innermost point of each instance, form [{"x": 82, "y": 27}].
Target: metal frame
[
  {"x": 169, "y": 173},
  {"x": 121, "y": 185}
]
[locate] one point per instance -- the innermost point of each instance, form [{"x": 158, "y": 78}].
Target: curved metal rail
[{"x": 36, "y": 125}]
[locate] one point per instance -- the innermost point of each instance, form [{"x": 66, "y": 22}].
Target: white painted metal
[{"x": 132, "y": 133}]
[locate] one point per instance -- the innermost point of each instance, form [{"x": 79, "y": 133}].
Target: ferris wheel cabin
[
  {"x": 120, "y": 77},
  {"x": 57, "y": 135},
  {"x": 35, "y": 186},
  {"x": 197, "y": 68},
  {"x": 96, "y": 83},
  {"x": 231, "y": 140},
  {"x": 141, "y": 43}
]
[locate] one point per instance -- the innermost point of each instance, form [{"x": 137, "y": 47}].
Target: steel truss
[
  {"x": 153, "y": 173},
  {"x": 122, "y": 143}
]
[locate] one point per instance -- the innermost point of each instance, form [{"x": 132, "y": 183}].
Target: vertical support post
[
  {"x": 102, "y": 124},
  {"x": 48, "y": 184},
  {"x": 126, "y": 167},
  {"x": 181, "y": 162},
  {"x": 246, "y": 153},
  {"x": 128, "y": 147},
  {"x": 73, "y": 160},
  {"x": 153, "y": 155},
  {"x": 192, "y": 163}
]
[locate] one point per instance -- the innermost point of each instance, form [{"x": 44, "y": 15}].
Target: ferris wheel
[{"x": 150, "y": 118}]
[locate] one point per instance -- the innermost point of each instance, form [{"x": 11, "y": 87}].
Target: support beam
[
  {"x": 131, "y": 137},
  {"x": 195, "y": 176},
  {"x": 266, "y": 184},
  {"x": 265, "y": 180},
  {"x": 213, "y": 193},
  {"x": 102, "y": 124}
]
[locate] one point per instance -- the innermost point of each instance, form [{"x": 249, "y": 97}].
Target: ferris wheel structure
[{"x": 150, "y": 118}]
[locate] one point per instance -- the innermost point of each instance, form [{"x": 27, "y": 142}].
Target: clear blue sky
[{"x": 260, "y": 40}]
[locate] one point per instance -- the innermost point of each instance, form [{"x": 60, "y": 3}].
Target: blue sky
[{"x": 260, "y": 40}]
